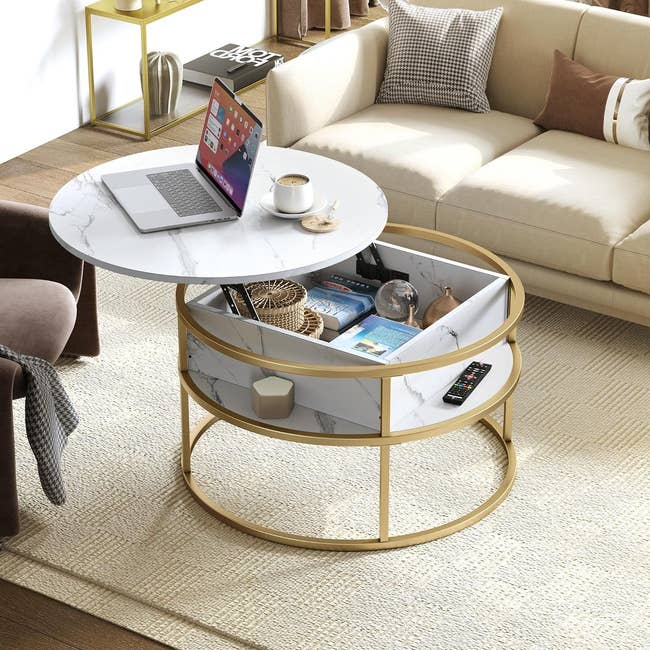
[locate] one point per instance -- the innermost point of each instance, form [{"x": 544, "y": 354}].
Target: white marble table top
[{"x": 88, "y": 222}]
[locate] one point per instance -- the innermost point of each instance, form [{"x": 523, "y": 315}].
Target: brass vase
[{"x": 440, "y": 307}]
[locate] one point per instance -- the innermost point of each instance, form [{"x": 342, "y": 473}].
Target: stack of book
[{"x": 341, "y": 302}]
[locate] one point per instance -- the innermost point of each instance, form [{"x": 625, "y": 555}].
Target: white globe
[{"x": 394, "y": 299}]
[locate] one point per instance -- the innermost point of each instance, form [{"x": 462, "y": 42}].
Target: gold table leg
[
  {"x": 384, "y": 491},
  {"x": 384, "y": 541}
]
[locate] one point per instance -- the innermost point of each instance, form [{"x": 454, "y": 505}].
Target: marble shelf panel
[
  {"x": 354, "y": 400},
  {"x": 416, "y": 400},
  {"x": 238, "y": 398}
]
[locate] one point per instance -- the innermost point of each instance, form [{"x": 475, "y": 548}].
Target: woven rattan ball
[{"x": 277, "y": 302}]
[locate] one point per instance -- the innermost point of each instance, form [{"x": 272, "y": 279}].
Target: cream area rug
[{"x": 563, "y": 563}]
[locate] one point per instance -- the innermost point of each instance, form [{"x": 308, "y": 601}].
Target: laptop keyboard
[{"x": 186, "y": 196}]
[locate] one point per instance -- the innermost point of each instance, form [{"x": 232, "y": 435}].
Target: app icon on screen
[
  {"x": 210, "y": 139},
  {"x": 214, "y": 125},
  {"x": 221, "y": 113}
]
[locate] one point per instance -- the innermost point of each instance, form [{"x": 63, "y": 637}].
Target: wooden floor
[{"x": 28, "y": 620}]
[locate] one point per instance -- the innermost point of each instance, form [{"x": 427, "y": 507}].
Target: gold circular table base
[
  {"x": 369, "y": 544},
  {"x": 384, "y": 438}
]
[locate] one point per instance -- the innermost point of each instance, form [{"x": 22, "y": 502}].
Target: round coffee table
[{"x": 85, "y": 219}]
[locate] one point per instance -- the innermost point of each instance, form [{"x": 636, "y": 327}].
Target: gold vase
[{"x": 440, "y": 307}]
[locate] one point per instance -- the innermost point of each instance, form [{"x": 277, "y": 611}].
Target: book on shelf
[
  {"x": 348, "y": 285},
  {"x": 338, "y": 308},
  {"x": 237, "y": 66},
  {"x": 375, "y": 337}
]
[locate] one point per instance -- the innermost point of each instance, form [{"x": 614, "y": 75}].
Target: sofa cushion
[
  {"x": 419, "y": 150},
  {"x": 37, "y": 317},
  {"x": 523, "y": 55},
  {"x": 632, "y": 260},
  {"x": 561, "y": 200},
  {"x": 440, "y": 57}
]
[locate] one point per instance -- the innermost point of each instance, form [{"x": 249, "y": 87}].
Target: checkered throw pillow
[{"x": 439, "y": 56}]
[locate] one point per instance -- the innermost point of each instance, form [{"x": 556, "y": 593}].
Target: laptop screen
[{"x": 229, "y": 144}]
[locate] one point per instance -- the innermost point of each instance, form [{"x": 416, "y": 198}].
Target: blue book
[
  {"x": 375, "y": 337},
  {"x": 338, "y": 308}
]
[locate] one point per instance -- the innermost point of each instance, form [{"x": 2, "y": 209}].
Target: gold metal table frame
[
  {"x": 385, "y": 438},
  {"x": 149, "y": 13}
]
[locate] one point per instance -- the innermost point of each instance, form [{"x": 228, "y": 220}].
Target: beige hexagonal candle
[{"x": 273, "y": 397}]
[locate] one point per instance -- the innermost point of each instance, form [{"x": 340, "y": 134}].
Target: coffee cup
[{"x": 293, "y": 193}]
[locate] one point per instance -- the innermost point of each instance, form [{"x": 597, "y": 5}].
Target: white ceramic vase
[
  {"x": 165, "y": 82},
  {"x": 128, "y": 5}
]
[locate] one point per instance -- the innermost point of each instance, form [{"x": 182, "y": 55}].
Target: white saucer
[{"x": 266, "y": 203}]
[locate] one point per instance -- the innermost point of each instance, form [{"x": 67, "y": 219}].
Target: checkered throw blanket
[{"x": 49, "y": 419}]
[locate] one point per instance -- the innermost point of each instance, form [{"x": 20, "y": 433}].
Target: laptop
[{"x": 211, "y": 189}]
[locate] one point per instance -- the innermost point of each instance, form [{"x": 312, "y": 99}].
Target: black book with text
[{"x": 237, "y": 66}]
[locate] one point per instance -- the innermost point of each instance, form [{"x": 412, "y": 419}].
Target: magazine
[{"x": 375, "y": 337}]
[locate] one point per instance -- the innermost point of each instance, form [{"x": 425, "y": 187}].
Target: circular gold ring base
[{"x": 369, "y": 544}]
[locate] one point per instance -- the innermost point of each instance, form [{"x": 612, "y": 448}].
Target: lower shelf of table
[
  {"x": 348, "y": 407},
  {"x": 193, "y": 100}
]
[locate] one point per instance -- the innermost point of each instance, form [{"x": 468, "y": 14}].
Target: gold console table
[{"x": 134, "y": 117}]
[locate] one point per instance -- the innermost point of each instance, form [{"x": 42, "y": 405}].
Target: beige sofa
[{"x": 569, "y": 212}]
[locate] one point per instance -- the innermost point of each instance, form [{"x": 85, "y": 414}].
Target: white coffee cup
[{"x": 293, "y": 193}]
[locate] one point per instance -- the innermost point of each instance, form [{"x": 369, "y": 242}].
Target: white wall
[{"x": 43, "y": 72}]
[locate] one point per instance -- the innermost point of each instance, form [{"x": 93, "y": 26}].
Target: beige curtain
[
  {"x": 296, "y": 16},
  {"x": 641, "y": 7}
]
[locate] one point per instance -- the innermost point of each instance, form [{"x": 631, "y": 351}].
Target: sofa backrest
[
  {"x": 614, "y": 42},
  {"x": 528, "y": 33}
]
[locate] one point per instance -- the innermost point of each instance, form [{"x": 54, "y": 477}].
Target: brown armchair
[{"x": 48, "y": 307}]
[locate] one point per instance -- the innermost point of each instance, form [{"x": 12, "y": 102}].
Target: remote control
[{"x": 469, "y": 379}]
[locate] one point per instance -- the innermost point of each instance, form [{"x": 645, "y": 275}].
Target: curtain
[
  {"x": 296, "y": 16},
  {"x": 641, "y": 7}
]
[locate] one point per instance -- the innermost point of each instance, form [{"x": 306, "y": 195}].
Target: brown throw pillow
[{"x": 603, "y": 106}]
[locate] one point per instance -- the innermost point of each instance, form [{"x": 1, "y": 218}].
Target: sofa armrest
[
  {"x": 326, "y": 84},
  {"x": 28, "y": 249}
]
